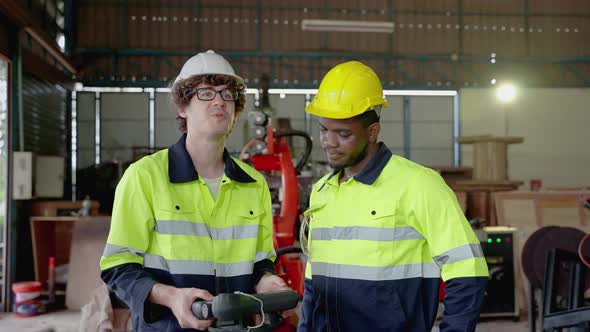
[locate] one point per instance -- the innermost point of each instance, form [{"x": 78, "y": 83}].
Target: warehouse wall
[
  {"x": 555, "y": 124},
  {"x": 431, "y": 130},
  {"x": 44, "y": 114},
  {"x": 430, "y": 125},
  {"x": 124, "y": 125},
  {"x": 85, "y": 107}
]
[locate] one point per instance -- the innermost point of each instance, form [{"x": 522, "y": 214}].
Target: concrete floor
[
  {"x": 59, "y": 321},
  {"x": 68, "y": 321}
]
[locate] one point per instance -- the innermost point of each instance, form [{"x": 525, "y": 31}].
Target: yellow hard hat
[{"x": 347, "y": 90}]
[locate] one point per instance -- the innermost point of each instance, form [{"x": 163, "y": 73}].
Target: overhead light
[
  {"x": 347, "y": 26},
  {"x": 506, "y": 92}
]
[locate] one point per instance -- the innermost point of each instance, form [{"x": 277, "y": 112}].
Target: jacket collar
[
  {"x": 181, "y": 168},
  {"x": 372, "y": 170}
]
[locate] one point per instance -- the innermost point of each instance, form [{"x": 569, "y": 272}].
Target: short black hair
[{"x": 368, "y": 118}]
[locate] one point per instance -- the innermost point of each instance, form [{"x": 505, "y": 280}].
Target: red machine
[{"x": 276, "y": 157}]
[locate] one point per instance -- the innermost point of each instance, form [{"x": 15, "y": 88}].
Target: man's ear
[
  {"x": 182, "y": 112},
  {"x": 374, "y": 130}
]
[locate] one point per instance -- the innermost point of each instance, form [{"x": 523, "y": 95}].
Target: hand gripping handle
[{"x": 203, "y": 310}]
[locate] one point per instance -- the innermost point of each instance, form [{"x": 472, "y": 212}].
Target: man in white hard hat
[{"x": 190, "y": 222}]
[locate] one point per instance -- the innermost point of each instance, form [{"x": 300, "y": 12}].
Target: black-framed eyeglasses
[{"x": 208, "y": 94}]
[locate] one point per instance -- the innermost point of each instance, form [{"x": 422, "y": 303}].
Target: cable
[
  {"x": 308, "y": 146},
  {"x": 304, "y": 236},
  {"x": 580, "y": 246},
  {"x": 261, "y": 309}
]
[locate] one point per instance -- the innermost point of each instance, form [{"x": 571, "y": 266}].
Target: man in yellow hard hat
[
  {"x": 381, "y": 230},
  {"x": 190, "y": 222}
]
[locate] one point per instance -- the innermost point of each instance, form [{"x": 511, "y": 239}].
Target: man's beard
[{"x": 353, "y": 160}]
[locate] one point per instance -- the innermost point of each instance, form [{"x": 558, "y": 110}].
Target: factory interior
[{"x": 493, "y": 96}]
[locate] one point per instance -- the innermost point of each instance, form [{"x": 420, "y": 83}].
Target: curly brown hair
[{"x": 181, "y": 98}]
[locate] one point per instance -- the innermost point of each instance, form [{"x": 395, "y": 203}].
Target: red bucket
[{"x": 26, "y": 298}]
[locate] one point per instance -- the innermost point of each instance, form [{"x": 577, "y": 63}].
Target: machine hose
[{"x": 308, "y": 145}]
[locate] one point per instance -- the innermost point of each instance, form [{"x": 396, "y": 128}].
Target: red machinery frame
[{"x": 289, "y": 264}]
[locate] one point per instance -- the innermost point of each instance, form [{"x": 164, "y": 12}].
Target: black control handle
[
  {"x": 232, "y": 306},
  {"x": 203, "y": 310}
]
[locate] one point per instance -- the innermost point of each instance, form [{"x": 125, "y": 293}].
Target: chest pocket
[
  {"x": 249, "y": 214},
  {"x": 392, "y": 224},
  {"x": 176, "y": 211},
  {"x": 175, "y": 228},
  {"x": 237, "y": 216},
  {"x": 177, "y": 202},
  {"x": 381, "y": 215}
]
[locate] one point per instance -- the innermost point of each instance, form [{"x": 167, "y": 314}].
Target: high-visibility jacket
[
  {"x": 379, "y": 244},
  {"x": 167, "y": 228}
]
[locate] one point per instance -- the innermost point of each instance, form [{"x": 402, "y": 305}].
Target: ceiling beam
[{"x": 21, "y": 17}]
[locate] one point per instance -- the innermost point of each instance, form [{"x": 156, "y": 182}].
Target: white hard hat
[{"x": 207, "y": 63}]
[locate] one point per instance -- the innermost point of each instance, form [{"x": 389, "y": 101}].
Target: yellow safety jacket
[
  {"x": 379, "y": 244},
  {"x": 167, "y": 228}
]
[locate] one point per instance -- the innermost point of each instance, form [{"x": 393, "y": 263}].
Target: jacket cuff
[{"x": 140, "y": 303}]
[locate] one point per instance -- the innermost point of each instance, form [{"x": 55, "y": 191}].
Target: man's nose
[
  {"x": 217, "y": 99},
  {"x": 329, "y": 140}
]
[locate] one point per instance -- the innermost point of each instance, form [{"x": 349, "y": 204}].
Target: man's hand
[
  {"x": 271, "y": 283},
  {"x": 180, "y": 300}
]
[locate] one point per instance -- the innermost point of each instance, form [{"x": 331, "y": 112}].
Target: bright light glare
[
  {"x": 506, "y": 92},
  {"x": 61, "y": 42},
  {"x": 493, "y": 81}
]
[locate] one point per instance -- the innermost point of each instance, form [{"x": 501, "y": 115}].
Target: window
[{"x": 3, "y": 175}]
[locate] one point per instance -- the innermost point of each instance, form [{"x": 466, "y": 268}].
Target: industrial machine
[
  {"x": 564, "y": 304},
  {"x": 268, "y": 151},
  {"x": 498, "y": 245},
  {"x": 270, "y": 154},
  {"x": 499, "y": 250},
  {"x": 234, "y": 311},
  {"x": 554, "y": 260}
]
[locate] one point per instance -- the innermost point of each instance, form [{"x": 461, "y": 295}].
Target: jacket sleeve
[
  {"x": 265, "y": 253},
  {"x": 132, "y": 284},
  {"x": 307, "y": 305},
  {"x": 453, "y": 247},
  {"x": 129, "y": 237},
  {"x": 463, "y": 300}
]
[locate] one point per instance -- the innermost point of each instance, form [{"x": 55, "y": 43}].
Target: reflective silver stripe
[
  {"x": 234, "y": 269},
  {"x": 178, "y": 266},
  {"x": 180, "y": 227},
  {"x": 235, "y": 232},
  {"x": 198, "y": 267},
  {"x": 111, "y": 249},
  {"x": 458, "y": 254},
  {"x": 366, "y": 233},
  {"x": 381, "y": 273},
  {"x": 260, "y": 255}
]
